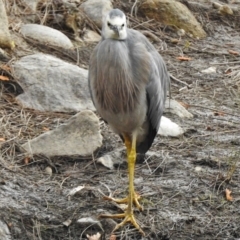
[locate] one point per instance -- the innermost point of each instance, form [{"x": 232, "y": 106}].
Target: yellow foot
[
  {"x": 128, "y": 217},
  {"x": 136, "y": 197}
]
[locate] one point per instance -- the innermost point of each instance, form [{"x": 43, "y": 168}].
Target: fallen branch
[{"x": 178, "y": 80}]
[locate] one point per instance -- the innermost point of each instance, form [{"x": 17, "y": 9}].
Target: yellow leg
[
  {"x": 132, "y": 196},
  {"x": 128, "y": 143}
]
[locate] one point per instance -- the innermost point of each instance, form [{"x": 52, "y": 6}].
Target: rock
[
  {"x": 96, "y": 9},
  {"x": 80, "y": 136},
  {"x": 67, "y": 223},
  {"x": 176, "y": 108},
  {"x": 209, "y": 70},
  {"x": 75, "y": 190},
  {"x": 173, "y": 13},
  {"x": 91, "y": 36},
  {"x": 169, "y": 128},
  {"x": 223, "y": 9},
  {"x": 106, "y": 161},
  {"x": 198, "y": 169},
  {"x": 46, "y": 35},
  {"x": 5, "y": 38},
  {"x": 50, "y": 84},
  {"x": 4, "y": 231},
  {"x": 48, "y": 171},
  {"x": 89, "y": 221},
  {"x": 96, "y": 236}
]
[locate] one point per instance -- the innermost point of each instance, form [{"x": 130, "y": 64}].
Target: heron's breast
[
  {"x": 116, "y": 87},
  {"x": 125, "y": 122}
]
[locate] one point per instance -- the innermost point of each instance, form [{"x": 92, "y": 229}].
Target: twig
[
  {"x": 134, "y": 5},
  {"x": 224, "y": 63},
  {"x": 141, "y": 24},
  {"x": 214, "y": 133},
  {"x": 178, "y": 80},
  {"x": 215, "y": 110},
  {"x": 151, "y": 35},
  {"x": 63, "y": 182}
]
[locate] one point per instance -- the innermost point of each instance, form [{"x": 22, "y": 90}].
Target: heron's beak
[{"x": 117, "y": 29}]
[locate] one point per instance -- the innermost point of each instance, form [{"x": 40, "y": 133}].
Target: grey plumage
[
  {"x": 116, "y": 12},
  {"x": 128, "y": 81}
]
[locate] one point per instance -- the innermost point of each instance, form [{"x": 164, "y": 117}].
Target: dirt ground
[{"x": 182, "y": 181}]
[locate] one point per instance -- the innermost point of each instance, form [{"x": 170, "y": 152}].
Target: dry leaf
[
  {"x": 228, "y": 71},
  {"x": 218, "y": 113},
  {"x": 45, "y": 129},
  {"x": 94, "y": 237},
  {"x": 3, "y": 78},
  {"x": 113, "y": 237},
  {"x": 10, "y": 224},
  {"x": 184, "y": 58},
  {"x": 185, "y": 105},
  {"x": 228, "y": 195},
  {"x": 208, "y": 128},
  {"x": 2, "y": 140},
  {"x": 26, "y": 160},
  {"x": 174, "y": 40},
  {"x": 5, "y": 67},
  {"x": 233, "y": 52}
]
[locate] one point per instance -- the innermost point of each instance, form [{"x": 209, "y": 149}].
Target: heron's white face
[{"x": 115, "y": 26}]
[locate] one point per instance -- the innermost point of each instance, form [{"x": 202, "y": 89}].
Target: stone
[
  {"x": 106, "y": 161},
  {"x": 80, "y": 136},
  {"x": 50, "y": 84},
  {"x": 173, "y": 13},
  {"x": 209, "y": 70},
  {"x": 90, "y": 221},
  {"x": 46, "y": 35},
  {"x": 176, "y": 108},
  {"x": 96, "y": 9},
  {"x": 169, "y": 129},
  {"x": 5, "y": 38}
]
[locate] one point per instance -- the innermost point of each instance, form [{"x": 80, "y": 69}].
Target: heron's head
[{"x": 114, "y": 25}]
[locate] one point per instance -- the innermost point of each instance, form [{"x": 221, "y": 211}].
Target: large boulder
[
  {"x": 80, "y": 136},
  {"x": 50, "y": 84},
  {"x": 96, "y": 9},
  {"x": 173, "y": 13},
  {"x": 46, "y": 35}
]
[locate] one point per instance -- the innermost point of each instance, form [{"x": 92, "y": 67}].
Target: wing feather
[{"x": 156, "y": 91}]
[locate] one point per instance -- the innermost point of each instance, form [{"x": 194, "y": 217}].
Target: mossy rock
[{"x": 173, "y": 13}]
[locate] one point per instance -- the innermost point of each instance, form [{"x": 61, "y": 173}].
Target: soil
[{"x": 182, "y": 181}]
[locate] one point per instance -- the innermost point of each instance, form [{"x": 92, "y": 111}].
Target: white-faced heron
[{"x": 128, "y": 81}]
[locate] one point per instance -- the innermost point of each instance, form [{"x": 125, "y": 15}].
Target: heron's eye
[
  {"x": 109, "y": 24},
  {"x": 123, "y": 25}
]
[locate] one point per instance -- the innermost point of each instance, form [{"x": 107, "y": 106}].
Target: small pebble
[
  {"x": 181, "y": 32},
  {"x": 198, "y": 169},
  {"x": 48, "y": 170},
  {"x": 209, "y": 70}
]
